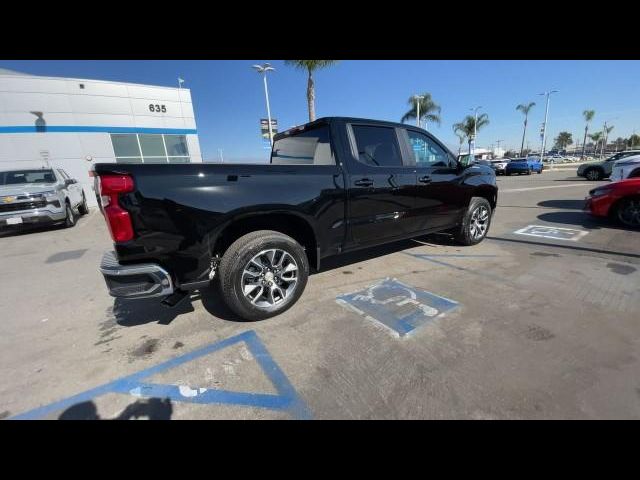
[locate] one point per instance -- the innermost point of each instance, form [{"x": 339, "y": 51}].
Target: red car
[{"x": 619, "y": 200}]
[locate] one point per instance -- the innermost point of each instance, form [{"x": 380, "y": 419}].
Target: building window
[{"x": 144, "y": 148}]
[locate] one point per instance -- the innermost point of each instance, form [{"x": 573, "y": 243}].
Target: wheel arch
[
  {"x": 288, "y": 223},
  {"x": 488, "y": 192}
]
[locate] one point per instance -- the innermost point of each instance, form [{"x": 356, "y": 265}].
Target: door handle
[
  {"x": 425, "y": 179},
  {"x": 364, "y": 182}
]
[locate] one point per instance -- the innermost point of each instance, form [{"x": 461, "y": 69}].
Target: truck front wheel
[
  {"x": 262, "y": 274},
  {"x": 475, "y": 223}
]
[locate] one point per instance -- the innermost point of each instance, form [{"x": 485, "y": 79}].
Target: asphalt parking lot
[{"x": 534, "y": 328}]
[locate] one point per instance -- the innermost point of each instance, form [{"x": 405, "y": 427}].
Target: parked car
[
  {"x": 600, "y": 170},
  {"x": 334, "y": 185},
  {"x": 618, "y": 200},
  {"x": 499, "y": 165},
  {"x": 524, "y": 165},
  {"x": 623, "y": 168},
  {"x": 40, "y": 196}
]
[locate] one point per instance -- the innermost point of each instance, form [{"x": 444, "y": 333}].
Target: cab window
[{"x": 426, "y": 152}]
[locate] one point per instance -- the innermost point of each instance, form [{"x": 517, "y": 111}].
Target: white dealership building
[{"x": 73, "y": 123}]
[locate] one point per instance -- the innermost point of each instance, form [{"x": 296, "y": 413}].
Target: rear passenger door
[
  {"x": 439, "y": 193},
  {"x": 380, "y": 184}
]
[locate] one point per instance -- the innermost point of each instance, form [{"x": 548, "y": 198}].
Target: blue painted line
[
  {"x": 91, "y": 129},
  {"x": 287, "y": 398}
]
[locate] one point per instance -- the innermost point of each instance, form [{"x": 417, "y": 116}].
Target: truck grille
[{"x": 16, "y": 207}]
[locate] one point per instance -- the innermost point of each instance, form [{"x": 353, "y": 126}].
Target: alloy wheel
[
  {"x": 269, "y": 278},
  {"x": 479, "y": 222}
]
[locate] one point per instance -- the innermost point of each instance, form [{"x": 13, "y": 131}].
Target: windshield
[{"x": 17, "y": 177}]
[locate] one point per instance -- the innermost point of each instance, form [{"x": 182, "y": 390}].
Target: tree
[
  {"x": 460, "y": 138},
  {"x": 596, "y": 136},
  {"x": 525, "y": 110},
  {"x": 563, "y": 140},
  {"x": 633, "y": 141},
  {"x": 510, "y": 154},
  {"x": 310, "y": 66},
  {"x": 588, "y": 116},
  {"x": 429, "y": 110},
  {"x": 606, "y": 133},
  {"x": 468, "y": 127}
]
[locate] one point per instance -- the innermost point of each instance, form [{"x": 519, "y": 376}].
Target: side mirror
[
  {"x": 70, "y": 181},
  {"x": 465, "y": 161}
]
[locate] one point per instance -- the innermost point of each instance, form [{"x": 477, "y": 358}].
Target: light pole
[
  {"x": 418, "y": 98},
  {"x": 544, "y": 125},
  {"x": 263, "y": 69},
  {"x": 475, "y": 128}
]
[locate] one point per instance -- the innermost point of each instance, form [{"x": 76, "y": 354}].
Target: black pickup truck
[{"x": 333, "y": 185}]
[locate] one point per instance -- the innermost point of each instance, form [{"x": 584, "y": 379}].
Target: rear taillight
[{"x": 118, "y": 219}]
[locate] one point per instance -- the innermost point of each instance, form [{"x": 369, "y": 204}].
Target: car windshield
[{"x": 17, "y": 177}]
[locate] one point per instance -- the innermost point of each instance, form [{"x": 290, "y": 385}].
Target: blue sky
[{"x": 229, "y": 100}]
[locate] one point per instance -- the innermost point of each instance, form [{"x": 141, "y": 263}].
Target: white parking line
[{"x": 542, "y": 188}]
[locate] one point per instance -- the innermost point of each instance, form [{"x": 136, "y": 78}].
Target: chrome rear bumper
[{"x": 144, "y": 280}]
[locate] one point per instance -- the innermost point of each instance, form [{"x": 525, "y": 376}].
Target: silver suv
[
  {"x": 599, "y": 170},
  {"x": 37, "y": 196}
]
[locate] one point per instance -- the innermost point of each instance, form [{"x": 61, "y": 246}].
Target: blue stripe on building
[{"x": 93, "y": 129}]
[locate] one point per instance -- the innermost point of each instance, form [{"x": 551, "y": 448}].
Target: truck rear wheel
[
  {"x": 475, "y": 223},
  {"x": 262, "y": 274}
]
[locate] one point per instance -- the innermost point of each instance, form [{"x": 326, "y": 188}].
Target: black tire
[
  {"x": 83, "y": 209},
  {"x": 464, "y": 234},
  {"x": 539, "y": 171},
  {"x": 238, "y": 256},
  {"x": 70, "y": 219},
  {"x": 627, "y": 212},
  {"x": 529, "y": 172},
  {"x": 593, "y": 174}
]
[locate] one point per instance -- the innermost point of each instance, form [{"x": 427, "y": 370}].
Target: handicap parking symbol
[
  {"x": 399, "y": 307},
  {"x": 136, "y": 384},
  {"x": 556, "y": 233}
]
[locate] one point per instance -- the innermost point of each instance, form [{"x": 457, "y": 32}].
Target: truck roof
[{"x": 323, "y": 120}]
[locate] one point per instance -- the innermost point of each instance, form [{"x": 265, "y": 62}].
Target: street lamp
[
  {"x": 263, "y": 69},
  {"x": 475, "y": 129},
  {"x": 418, "y": 98},
  {"x": 544, "y": 125}
]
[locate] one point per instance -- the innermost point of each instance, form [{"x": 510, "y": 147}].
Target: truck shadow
[
  {"x": 151, "y": 408},
  {"x": 339, "y": 261},
  {"x": 130, "y": 313}
]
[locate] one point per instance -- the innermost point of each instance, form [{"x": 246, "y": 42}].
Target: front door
[
  {"x": 439, "y": 192},
  {"x": 380, "y": 187}
]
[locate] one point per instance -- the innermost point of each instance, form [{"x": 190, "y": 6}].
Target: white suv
[{"x": 36, "y": 196}]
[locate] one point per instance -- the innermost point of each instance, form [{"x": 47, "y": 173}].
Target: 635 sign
[{"x": 157, "y": 108}]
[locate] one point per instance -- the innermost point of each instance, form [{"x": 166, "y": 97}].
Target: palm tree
[
  {"x": 525, "y": 110},
  {"x": 310, "y": 66},
  {"x": 563, "y": 139},
  {"x": 469, "y": 127},
  {"x": 588, "y": 116},
  {"x": 460, "y": 138},
  {"x": 606, "y": 132},
  {"x": 596, "y": 136},
  {"x": 429, "y": 110}
]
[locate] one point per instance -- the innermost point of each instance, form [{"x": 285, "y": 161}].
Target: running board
[{"x": 175, "y": 298}]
